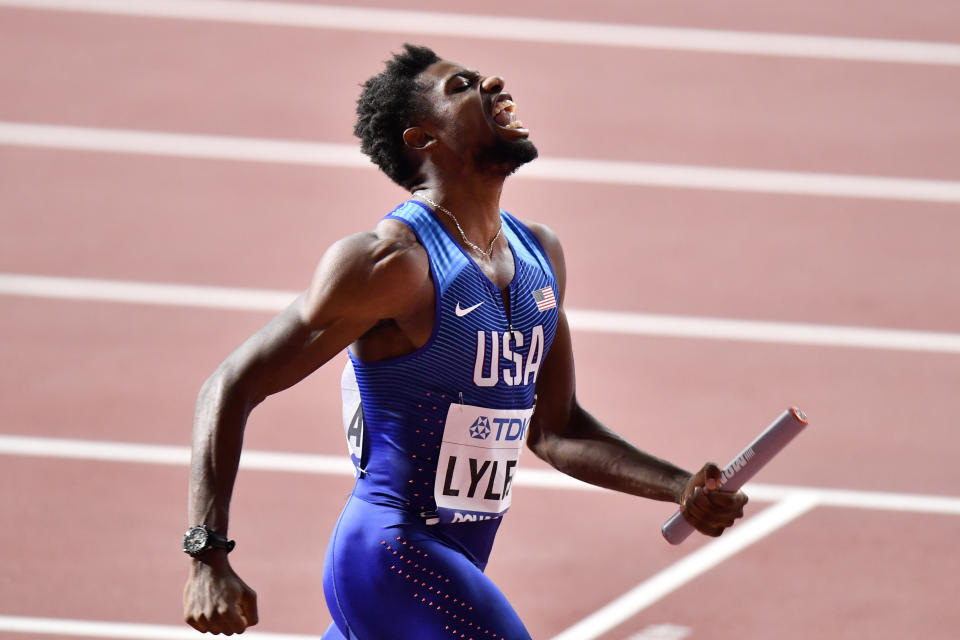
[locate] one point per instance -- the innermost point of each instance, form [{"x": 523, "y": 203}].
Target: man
[{"x": 459, "y": 352}]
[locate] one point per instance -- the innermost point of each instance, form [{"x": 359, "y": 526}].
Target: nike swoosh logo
[{"x": 462, "y": 312}]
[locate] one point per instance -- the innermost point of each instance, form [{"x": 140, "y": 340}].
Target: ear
[{"x": 417, "y": 138}]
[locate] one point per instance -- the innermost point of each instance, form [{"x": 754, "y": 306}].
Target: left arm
[{"x": 571, "y": 440}]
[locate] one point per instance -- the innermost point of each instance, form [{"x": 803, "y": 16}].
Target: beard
[{"x": 506, "y": 156}]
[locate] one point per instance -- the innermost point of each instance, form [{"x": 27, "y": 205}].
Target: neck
[{"x": 475, "y": 204}]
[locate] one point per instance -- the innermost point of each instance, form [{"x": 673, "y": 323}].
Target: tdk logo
[
  {"x": 480, "y": 429},
  {"x": 503, "y": 428}
]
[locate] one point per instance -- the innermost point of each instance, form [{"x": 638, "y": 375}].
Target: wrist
[
  {"x": 213, "y": 560},
  {"x": 680, "y": 483}
]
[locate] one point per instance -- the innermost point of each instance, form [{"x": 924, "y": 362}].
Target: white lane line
[
  {"x": 137, "y": 631},
  {"x": 106, "y": 451},
  {"x": 125, "y": 291},
  {"x": 662, "y": 632},
  {"x": 518, "y": 29},
  {"x": 743, "y": 180},
  {"x": 839, "y": 498},
  {"x": 644, "y": 324},
  {"x": 278, "y": 461},
  {"x": 771, "y": 332},
  {"x": 855, "y": 499},
  {"x": 566, "y": 169},
  {"x": 182, "y": 145},
  {"x": 690, "y": 567}
]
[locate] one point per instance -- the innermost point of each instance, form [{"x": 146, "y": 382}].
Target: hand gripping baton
[{"x": 745, "y": 465}]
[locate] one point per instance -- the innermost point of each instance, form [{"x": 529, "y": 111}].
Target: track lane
[
  {"x": 115, "y": 529},
  {"x": 686, "y": 252},
  {"x": 870, "y": 408},
  {"x": 110, "y": 383},
  {"x": 280, "y": 545},
  {"x": 833, "y": 574},
  {"x": 884, "y": 19},
  {"x": 132, "y": 374},
  {"x": 284, "y": 575},
  {"x": 685, "y": 108},
  {"x": 929, "y": 19}
]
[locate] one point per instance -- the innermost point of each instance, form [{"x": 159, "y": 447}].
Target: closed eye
[{"x": 463, "y": 81}]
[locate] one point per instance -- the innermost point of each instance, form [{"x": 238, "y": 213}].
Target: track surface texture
[{"x": 851, "y": 531}]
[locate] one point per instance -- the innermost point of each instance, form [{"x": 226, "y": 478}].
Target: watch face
[{"x": 195, "y": 540}]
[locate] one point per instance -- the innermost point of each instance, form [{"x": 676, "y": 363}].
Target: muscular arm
[
  {"x": 571, "y": 440},
  {"x": 360, "y": 282}
]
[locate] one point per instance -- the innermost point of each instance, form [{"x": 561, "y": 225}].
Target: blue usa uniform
[{"x": 436, "y": 437}]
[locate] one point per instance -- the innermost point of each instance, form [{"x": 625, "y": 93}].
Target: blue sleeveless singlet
[{"x": 436, "y": 437}]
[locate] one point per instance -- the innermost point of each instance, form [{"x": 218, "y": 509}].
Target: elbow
[
  {"x": 549, "y": 435},
  {"x": 228, "y": 385},
  {"x": 536, "y": 443},
  {"x": 219, "y": 385},
  {"x": 542, "y": 443}
]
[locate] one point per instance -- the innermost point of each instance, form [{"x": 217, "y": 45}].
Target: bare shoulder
[
  {"x": 551, "y": 244},
  {"x": 371, "y": 275}
]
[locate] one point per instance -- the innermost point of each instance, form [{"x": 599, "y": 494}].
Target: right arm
[
  {"x": 571, "y": 440},
  {"x": 360, "y": 281}
]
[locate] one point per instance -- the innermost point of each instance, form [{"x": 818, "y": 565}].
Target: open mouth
[{"x": 505, "y": 112}]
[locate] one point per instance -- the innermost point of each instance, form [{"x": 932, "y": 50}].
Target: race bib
[
  {"x": 353, "y": 422},
  {"x": 478, "y": 459}
]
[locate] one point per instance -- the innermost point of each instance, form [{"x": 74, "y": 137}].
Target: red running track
[{"x": 882, "y": 421}]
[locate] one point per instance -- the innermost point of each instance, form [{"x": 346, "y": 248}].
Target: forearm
[
  {"x": 276, "y": 357},
  {"x": 219, "y": 421},
  {"x": 597, "y": 455}
]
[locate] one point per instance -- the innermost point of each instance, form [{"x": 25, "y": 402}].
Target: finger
[
  {"x": 229, "y": 620},
  {"x": 701, "y": 512},
  {"x": 700, "y": 518},
  {"x": 699, "y": 499},
  {"x": 229, "y": 625},
  {"x": 705, "y": 522},
  {"x": 239, "y": 619},
  {"x": 709, "y": 500},
  {"x": 712, "y": 476},
  {"x": 714, "y": 518},
  {"x": 709, "y": 522},
  {"x": 224, "y": 621},
  {"x": 190, "y": 616},
  {"x": 726, "y": 499},
  {"x": 705, "y": 525},
  {"x": 732, "y": 510},
  {"x": 220, "y": 625},
  {"x": 697, "y": 509},
  {"x": 198, "y": 622},
  {"x": 248, "y": 608}
]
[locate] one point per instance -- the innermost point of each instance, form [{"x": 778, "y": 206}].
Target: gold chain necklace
[{"x": 463, "y": 236}]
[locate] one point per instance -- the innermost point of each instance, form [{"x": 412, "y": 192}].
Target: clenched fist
[
  {"x": 215, "y": 599},
  {"x": 706, "y": 507}
]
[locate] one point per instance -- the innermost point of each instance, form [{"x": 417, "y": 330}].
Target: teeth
[
  {"x": 504, "y": 104},
  {"x": 516, "y": 124}
]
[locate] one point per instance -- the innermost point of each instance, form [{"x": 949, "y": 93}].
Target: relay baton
[{"x": 758, "y": 453}]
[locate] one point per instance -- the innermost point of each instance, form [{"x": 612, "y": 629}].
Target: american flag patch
[{"x": 545, "y": 298}]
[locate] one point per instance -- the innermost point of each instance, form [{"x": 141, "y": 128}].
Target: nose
[{"x": 492, "y": 84}]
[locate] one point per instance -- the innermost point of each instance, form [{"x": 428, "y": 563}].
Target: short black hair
[{"x": 384, "y": 111}]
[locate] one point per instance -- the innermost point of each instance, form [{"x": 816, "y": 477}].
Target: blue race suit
[{"x": 436, "y": 436}]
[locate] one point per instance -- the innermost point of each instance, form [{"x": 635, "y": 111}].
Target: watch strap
[{"x": 219, "y": 541}]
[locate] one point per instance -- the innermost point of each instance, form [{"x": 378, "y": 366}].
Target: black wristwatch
[{"x": 200, "y": 539}]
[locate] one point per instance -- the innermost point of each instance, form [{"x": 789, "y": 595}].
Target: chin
[{"x": 506, "y": 156}]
